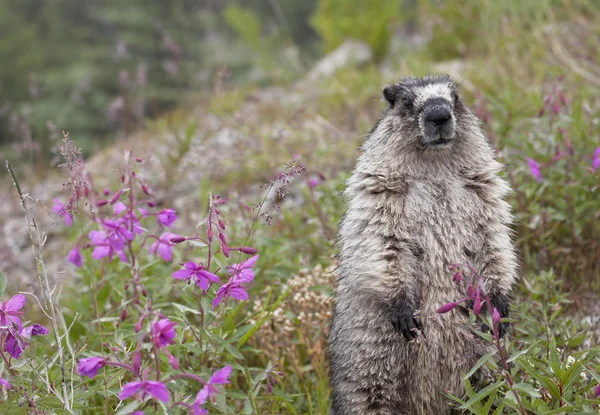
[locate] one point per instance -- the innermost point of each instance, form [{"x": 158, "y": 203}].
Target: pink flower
[
  {"x": 9, "y": 311},
  {"x": 201, "y": 276},
  {"x": 597, "y": 391},
  {"x": 166, "y": 217},
  {"x": 163, "y": 332},
  {"x": 209, "y": 391},
  {"x": 146, "y": 387},
  {"x": 90, "y": 366},
  {"x": 106, "y": 246},
  {"x": 60, "y": 209},
  {"x": 14, "y": 345},
  {"x": 596, "y": 159},
  {"x": 74, "y": 257},
  {"x": 4, "y": 382},
  {"x": 239, "y": 275},
  {"x": 163, "y": 246},
  {"x": 312, "y": 183},
  {"x": 534, "y": 169},
  {"x": 243, "y": 272}
]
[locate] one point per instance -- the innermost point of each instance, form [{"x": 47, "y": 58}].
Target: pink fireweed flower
[
  {"x": 90, "y": 366},
  {"x": 198, "y": 402},
  {"x": 200, "y": 276},
  {"x": 103, "y": 247},
  {"x": 166, "y": 217},
  {"x": 74, "y": 257},
  {"x": 117, "y": 232},
  {"x": 163, "y": 246},
  {"x": 163, "y": 332},
  {"x": 239, "y": 275},
  {"x": 218, "y": 378},
  {"x": 312, "y": 183},
  {"x": 60, "y": 209},
  {"x": 243, "y": 271},
  {"x": 145, "y": 387},
  {"x": 14, "y": 345},
  {"x": 596, "y": 159},
  {"x": 9, "y": 311},
  {"x": 5, "y": 383},
  {"x": 534, "y": 169}
]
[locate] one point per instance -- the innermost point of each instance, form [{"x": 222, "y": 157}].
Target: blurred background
[{"x": 218, "y": 95}]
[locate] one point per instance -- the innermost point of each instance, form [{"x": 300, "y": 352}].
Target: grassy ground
[{"x": 510, "y": 61}]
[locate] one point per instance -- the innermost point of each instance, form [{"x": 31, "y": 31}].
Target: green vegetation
[{"x": 530, "y": 70}]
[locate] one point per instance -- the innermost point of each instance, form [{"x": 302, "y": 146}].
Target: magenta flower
[
  {"x": 312, "y": 183},
  {"x": 163, "y": 246},
  {"x": 209, "y": 391},
  {"x": 74, "y": 257},
  {"x": 4, "y": 382},
  {"x": 534, "y": 169},
  {"x": 163, "y": 332},
  {"x": 146, "y": 387},
  {"x": 14, "y": 345},
  {"x": 103, "y": 247},
  {"x": 129, "y": 219},
  {"x": 200, "y": 400},
  {"x": 597, "y": 391},
  {"x": 90, "y": 366},
  {"x": 117, "y": 233},
  {"x": 166, "y": 217},
  {"x": 596, "y": 159},
  {"x": 196, "y": 271},
  {"x": 477, "y": 305},
  {"x": 9, "y": 311},
  {"x": 239, "y": 275},
  {"x": 243, "y": 272},
  {"x": 60, "y": 209}
]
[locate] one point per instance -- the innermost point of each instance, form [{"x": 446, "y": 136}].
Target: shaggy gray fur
[{"x": 425, "y": 194}]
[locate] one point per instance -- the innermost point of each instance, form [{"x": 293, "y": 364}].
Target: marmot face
[{"x": 427, "y": 111}]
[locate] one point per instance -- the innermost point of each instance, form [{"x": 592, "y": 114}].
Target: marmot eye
[
  {"x": 454, "y": 96},
  {"x": 407, "y": 103}
]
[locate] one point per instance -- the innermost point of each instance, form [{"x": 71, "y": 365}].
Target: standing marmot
[{"x": 425, "y": 194}]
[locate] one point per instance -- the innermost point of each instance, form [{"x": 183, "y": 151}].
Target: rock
[{"x": 350, "y": 53}]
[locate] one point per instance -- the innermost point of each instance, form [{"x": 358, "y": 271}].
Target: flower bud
[
  {"x": 209, "y": 234},
  {"x": 225, "y": 250},
  {"x": 597, "y": 391},
  {"x": 145, "y": 189},
  {"x": 123, "y": 314},
  {"x": 221, "y": 224},
  {"x": 122, "y": 178},
  {"x": 115, "y": 197},
  {"x": 143, "y": 290},
  {"x": 446, "y": 307},
  {"x": 457, "y": 277},
  {"x": 496, "y": 316},
  {"x": 477, "y": 305},
  {"x": 173, "y": 362},
  {"x": 177, "y": 239},
  {"x": 138, "y": 324},
  {"x": 222, "y": 238},
  {"x": 151, "y": 203},
  {"x": 217, "y": 211},
  {"x": 101, "y": 202},
  {"x": 248, "y": 250},
  {"x": 470, "y": 291},
  {"x": 135, "y": 362},
  {"x": 139, "y": 160}
]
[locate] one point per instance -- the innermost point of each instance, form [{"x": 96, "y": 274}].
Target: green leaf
[
  {"x": 480, "y": 362},
  {"x": 528, "y": 389},
  {"x": 487, "y": 391}
]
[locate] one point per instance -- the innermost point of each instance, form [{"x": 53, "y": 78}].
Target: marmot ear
[{"x": 390, "y": 93}]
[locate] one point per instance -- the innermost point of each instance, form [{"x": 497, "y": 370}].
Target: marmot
[{"x": 425, "y": 194}]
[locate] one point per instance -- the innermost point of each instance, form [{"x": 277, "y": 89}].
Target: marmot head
[{"x": 427, "y": 112}]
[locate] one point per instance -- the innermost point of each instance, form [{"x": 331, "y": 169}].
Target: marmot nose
[{"x": 438, "y": 116}]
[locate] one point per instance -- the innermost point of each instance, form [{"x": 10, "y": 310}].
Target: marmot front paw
[{"x": 405, "y": 323}]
